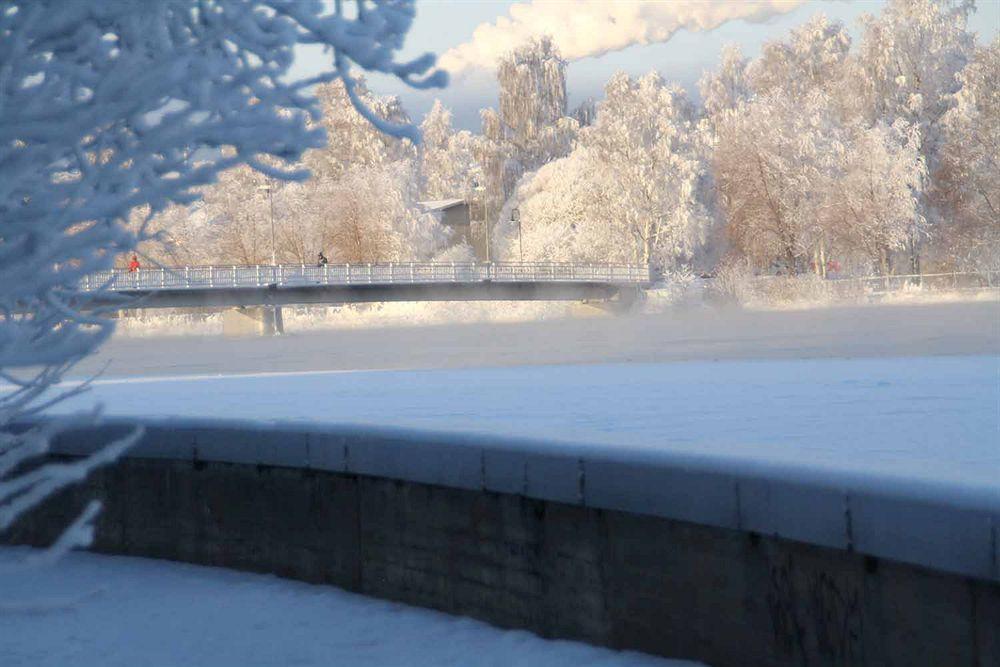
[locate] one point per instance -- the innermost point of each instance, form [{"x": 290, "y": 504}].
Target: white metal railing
[
  {"x": 876, "y": 285},
  {"x": 953, "y": 280},
  {"x": 394, "y": 273}
]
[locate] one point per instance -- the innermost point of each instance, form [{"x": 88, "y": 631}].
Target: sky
[{"x": 441, "y": 25}]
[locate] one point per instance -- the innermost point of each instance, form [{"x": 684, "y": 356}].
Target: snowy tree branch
[{"x": 106, "y": 107}]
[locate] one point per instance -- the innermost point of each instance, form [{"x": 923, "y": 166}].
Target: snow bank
[
  {"x": 811, "y": 291},
  {"x": 117, "y": 611},
  {"x": 930, "y": 418}
]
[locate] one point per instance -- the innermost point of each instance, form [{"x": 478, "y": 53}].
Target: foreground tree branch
[{"x": 109, "y": 106}]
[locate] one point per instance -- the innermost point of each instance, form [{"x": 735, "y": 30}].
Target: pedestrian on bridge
[
  {"x": 322, "y": 259},
  {"x": 133, "y": 265}
]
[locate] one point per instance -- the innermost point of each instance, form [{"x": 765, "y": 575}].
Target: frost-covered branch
[{"x": 109, "y": 107}]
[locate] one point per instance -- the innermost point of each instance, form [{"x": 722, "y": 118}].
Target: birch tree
[
  {"x": 873, "y": 197},
  {"x": 645, "y": 136},
  {"x": 812, "y": 58},
  {"x": 966, "y": 185},
  {"x": 239, "y": 211},
  {"x": 908, "y": 64},
  {"x": 629, "y": 192},
  {"x": 728, "y": 86},
  {"x": 531, "y": 127},
  {"x": 772, "y": 161}
]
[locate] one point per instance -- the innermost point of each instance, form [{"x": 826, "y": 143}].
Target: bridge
[
  {"x": 260, "y": 291},
  {"x": 294, "y": 284}
]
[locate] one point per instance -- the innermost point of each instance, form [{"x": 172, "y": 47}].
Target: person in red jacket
[{"x": 133, "y": 265}]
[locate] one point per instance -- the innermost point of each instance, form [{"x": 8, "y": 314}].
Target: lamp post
[
  {"x": 269, "y": 188},
  {"x": 476, "y": 187}
]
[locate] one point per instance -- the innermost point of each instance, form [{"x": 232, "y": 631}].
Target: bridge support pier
[
  {"x": 273, "y": 321},
  {"x": 253, "y": 321},
  {"x": 626, "y": 300}
]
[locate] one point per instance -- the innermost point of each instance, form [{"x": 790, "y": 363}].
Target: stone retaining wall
[{"x": 625, "y": 553}]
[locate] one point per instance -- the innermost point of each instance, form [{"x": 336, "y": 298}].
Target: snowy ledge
[{"x": 945, "y": 527}]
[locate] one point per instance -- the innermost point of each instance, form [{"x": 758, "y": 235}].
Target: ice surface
[
  {"x": 116, "y": 611},
  {"x": 678, "y": 335}
]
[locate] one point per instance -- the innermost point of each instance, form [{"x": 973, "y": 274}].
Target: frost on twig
[{"x": 109, "y": 107}]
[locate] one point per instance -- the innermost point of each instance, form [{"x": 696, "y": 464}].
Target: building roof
[{"x": 440, "y": 204}]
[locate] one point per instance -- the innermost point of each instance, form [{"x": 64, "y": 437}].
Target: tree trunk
[
  {"x": 790, "y": 260},
  {"x": 883, "y": 260},
  {"x": 647, "y": 248},
  {"x": 913, "y": 245}
]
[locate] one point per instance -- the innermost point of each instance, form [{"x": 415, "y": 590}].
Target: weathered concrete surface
[{"x": 669, "y": 587}]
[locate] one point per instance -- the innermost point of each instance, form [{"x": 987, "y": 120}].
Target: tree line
[{"x": 822, "y": 153}]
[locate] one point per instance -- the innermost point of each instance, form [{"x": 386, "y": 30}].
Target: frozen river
[
  {"x": 682, "y": 335},
  {"x": 911, "y": 391}
]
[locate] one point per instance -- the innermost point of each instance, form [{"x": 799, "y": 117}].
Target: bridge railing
[{"x": 304, "y": 275}]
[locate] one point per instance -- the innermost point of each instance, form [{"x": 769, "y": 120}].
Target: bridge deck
[{"x": 220, "y": 286}]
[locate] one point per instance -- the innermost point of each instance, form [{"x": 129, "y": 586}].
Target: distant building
[{"x": 454, "y": 214}]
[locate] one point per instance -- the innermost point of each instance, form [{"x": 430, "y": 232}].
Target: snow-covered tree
[
  {"x": 812, "y": 58},
  {"x": 907, "y": 69},
  {"x": 447, "y": 163},
  {"x": 239, "y": 210},
  {"x": 909, "y": 59},
  {"x": 629, "y": 192},
  {"x": 352, "y": 141},
  {"x": 372, "y": 215},
  {"x": 772, "y": 162},
  {"x": 531, "y": 127},
  {"x": 873, "y": 196},
  {"x": 728, "y": 86},
  {"x": 180, "y": 235},
  {"x": 966, "y": 185},
  {"x": 570, "y": 211},
  {"x": 102, "y": 108},
  {"x": 646, "y": 136},
  {"x": 532, "y": 102}
]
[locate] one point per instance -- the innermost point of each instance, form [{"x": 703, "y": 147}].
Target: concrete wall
[{"x": 627, "y": 553}]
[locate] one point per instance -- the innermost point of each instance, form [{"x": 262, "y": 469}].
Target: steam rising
[{"x": 595, "y": 27}]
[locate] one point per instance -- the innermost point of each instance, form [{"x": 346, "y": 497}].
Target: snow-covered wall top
[{"x": 949, "y": 527}]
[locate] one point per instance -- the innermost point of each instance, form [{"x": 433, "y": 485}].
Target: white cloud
[{"x": 595, "y": 27}]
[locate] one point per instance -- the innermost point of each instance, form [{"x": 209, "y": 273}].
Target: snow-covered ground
[
  {"x": 115, "y": 611},
  {"x": 930, "y": 418}
]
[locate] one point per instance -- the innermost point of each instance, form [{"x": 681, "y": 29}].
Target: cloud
[{"x": 594, "y": 27}]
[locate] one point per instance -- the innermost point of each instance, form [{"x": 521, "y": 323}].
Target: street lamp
[
  {"x": 269, "y": 188},
  {"x": 515, "y": 216},
  {"x": 476, "y": 187}
]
